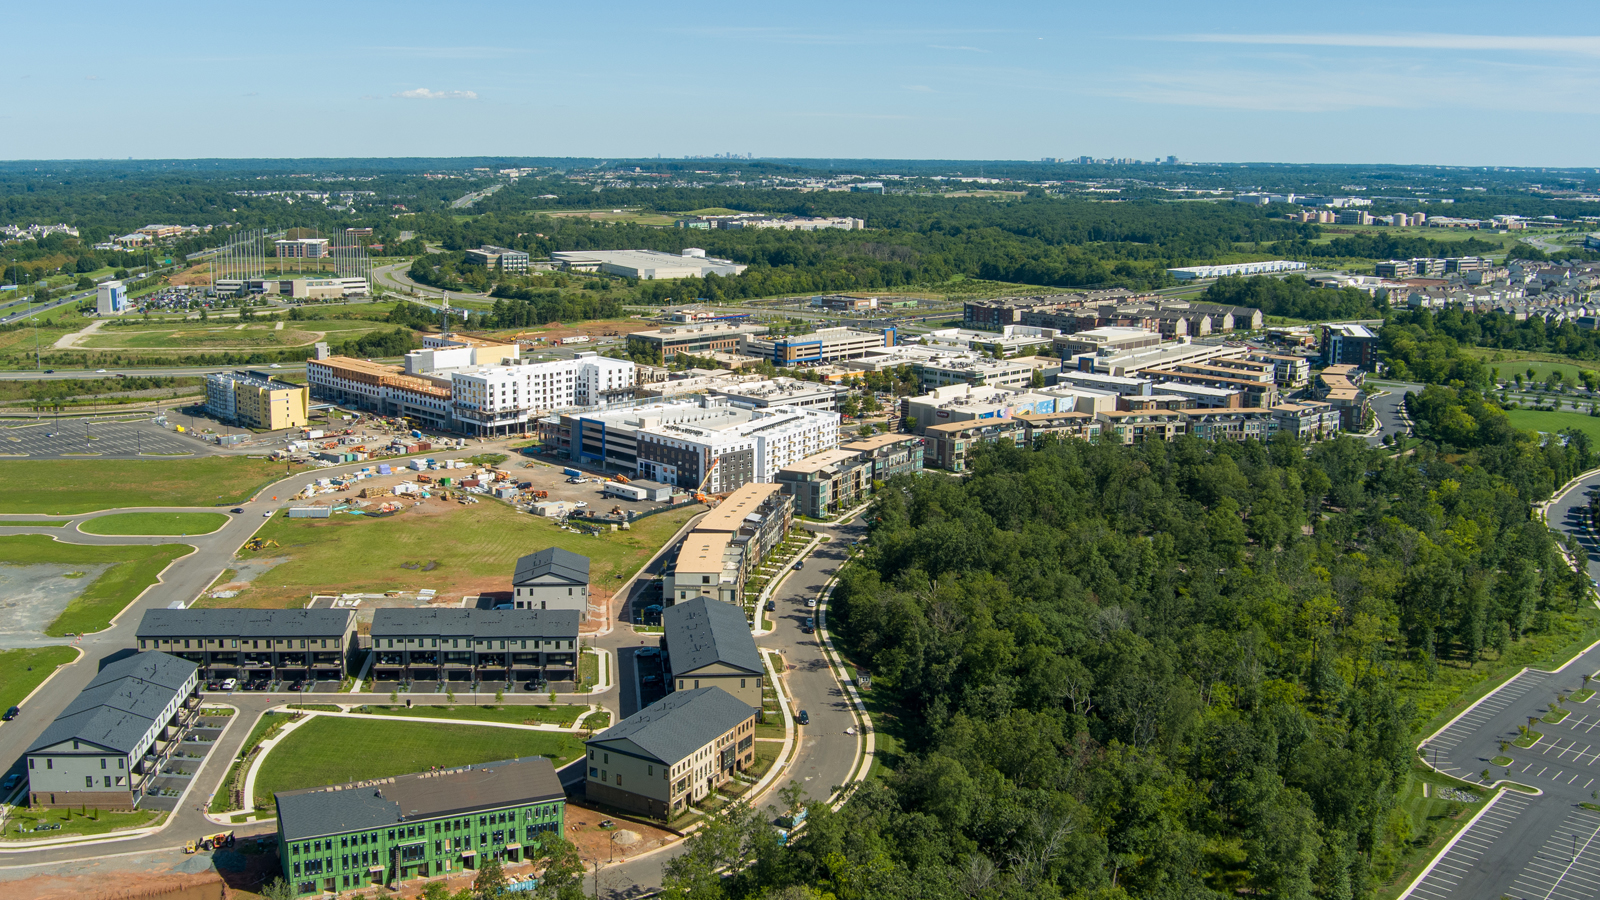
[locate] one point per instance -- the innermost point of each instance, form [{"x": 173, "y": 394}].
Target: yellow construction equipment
[
  {"x": 623, "y": 479},
  {"x": 259, "y": 543}
]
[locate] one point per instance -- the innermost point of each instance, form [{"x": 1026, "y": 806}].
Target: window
[
  {"x": 619, "y": 779},
  {"x": 88, "y": 781},
  {"x": 741, "y": 682},
  {"x": 102, "y": 762},
  {"x": 141, "y": 644}
]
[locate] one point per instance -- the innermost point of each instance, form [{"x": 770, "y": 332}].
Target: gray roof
[
  {"x": 545, "y": 624},
  {"x": 121, "y": 704},
  {"x": 383, "y": 802},
  {"x": 254, "y": 623},
  {"x": 554, "y": 560},
  {"x": 677, "y": 725},
  {"x": 703, "y": 631}
]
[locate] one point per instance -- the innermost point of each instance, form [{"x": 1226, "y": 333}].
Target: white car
[
  {"x": 811, "y": 603},
  {"x": 229, "y": 684},
  {"x": 274, "y": 366},
  {"x": 647, "y": 651},
  {"x": 266, "y": 515},
  {"x": 99, "y": 371}
]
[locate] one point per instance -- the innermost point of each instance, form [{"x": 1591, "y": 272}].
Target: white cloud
[
  {"x": 425, "y": 94},
  {"x": 1585, "y": 45}
]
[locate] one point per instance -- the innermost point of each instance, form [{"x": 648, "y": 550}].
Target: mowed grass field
[
  {"x": 145, "y": 523},
  {"x": 23, "y": 670},
  {"x": 1553, "y": 422},
  {"x": 60, "y": 487},
  {"x": 336, "y": 750},
  {"x": 474, "y": 549},
  {"x": 134, "y": 568},
  {"x": 226, "y": 334},
  {"x": 464, "y": 710},
  {"x": 1542, "y": 365}
]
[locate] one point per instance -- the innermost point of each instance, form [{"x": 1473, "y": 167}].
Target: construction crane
[{"x": 700, "y": 490}]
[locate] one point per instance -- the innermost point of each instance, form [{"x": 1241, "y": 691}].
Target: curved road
[{"x": 824, "y": 759}]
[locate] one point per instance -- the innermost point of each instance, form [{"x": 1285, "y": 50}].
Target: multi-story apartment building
[
  {"x": 707, "y": 643},
  {"x": 1308, "y": 420},
  {"x": 442, "y": 822},
  {"x": 781, "y": 392},
  {"x": 1145, "y": 425},
  {"x": 1230, "y": 424},
  {"x": 949, "y": 446},
  {"x": 107, "y": 745},
  {"x": 707, "y": 564},
  {"x": 1350, "y": 345},
  {"x": 828, "y": 345},
  {"x": 1257, "y": 393},
  {"x": 751, "y": 446},
  {"x": 891, "y": 454},
  {"x": 1103, "y": 341},
  {"x": 254, "y": 400},
  {"x": 553, "y": 578},
  {"x": 666, "y": 343},
  {"x": 503, "y": 258},
  {"x": 269, "y": 644},
  {"x": 671, "y": 753},
  {"x": 475, "y": 645},
  {"x": 1290, "y": 373},
  {"x": 1340, "y": 387},
  {"x": 828, "y": 483},
  {"x": 1083, "y": 426},
  {"x": 755, "y": 517}
]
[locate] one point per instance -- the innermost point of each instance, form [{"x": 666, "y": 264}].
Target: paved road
[{"x": 1390, "y": 410}]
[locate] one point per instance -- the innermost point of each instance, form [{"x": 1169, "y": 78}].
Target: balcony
[{"x": 389, "y": 659}]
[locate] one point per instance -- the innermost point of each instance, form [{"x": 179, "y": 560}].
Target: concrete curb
[
  {"x": 1446, "y": 848},
  {"x": 858, "y": 708},
  {"x": 777, "y": 580}
]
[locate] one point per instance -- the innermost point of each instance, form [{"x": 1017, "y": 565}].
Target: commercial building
[
  {"x": 1011, "y": 339},
  {"x": 828, "y": 483},
  {"x": 255, "y": 644},
  {"x": 256, "y": 401},
  {"x": 1350, "y": 345},
  {"x": 671, "y": 753},
  {"x": 828, "y": 345},
  {"x": 1273, "y": 267},
  {"x": 110, "y": 741},
  {"x": 667, "y": 342},
  {"x": 707, "y": 564},
  {"x": 707, "y": 643},
  {"x": 950, "y": 446},
  {"x": 553, "y": 578},
  {"x": 975, "y": 370},
  {"x": 965, "y": 403},
  {"x": 298, "y": 288},
  {"x": 1105, "y": 341},
  {"x": 780, "y": 392},
  {"x": 474, "y": 645},
  {"x": 302, "y": 248},
  {"x": 111, "y": 298},
  {"x": 502, "y": 258},
  {"x": 386, "y": 831},
  {"x": 647, "y": 265}
]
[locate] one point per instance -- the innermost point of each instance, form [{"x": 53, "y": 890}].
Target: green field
[
  {"x": 73, "y": 825},
  {"x": 134, "y": 568},
  {"x": 474, "y": 549},
  {"x": 1552, "y": 422},
  {"x": 23, "y": 670},
  {"x": 34, "y": 523},
  {"x": 61, "y": 487},
  {"x": 330, "y": 750},
  {"x": 464, "y": 710},
  {"x": 144, "y": 523},
  {"x": 229, "y": 336}
]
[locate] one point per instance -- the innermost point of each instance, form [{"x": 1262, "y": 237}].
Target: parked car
[
  {"x": 647, "y": 651},
  {"x": 811, "y": 603},
  {"x": 535, "y": 686},
  {"x": 211, "y": 685},
  {"x": 772, "y": 605},
  {"x": 804, "y": 718},
  {"x": 651, "y": 679},
  {"x": 10, "y": 783},
  {"x": 229, "y": 684},
  {"x": 298, "y": 685},
  {"x": 11, "y": 713}
]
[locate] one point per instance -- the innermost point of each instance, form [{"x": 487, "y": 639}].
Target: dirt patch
[
  {"x": 628, "y": 839},
  {"x": 155, "y": 876},
  {"x": 31, "y": 597},
  {"x": 194, "y": 276}
]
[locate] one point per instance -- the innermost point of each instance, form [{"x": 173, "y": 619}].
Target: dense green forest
[
  {"x": 1295, "y": 298},
  {"x": 1177, "y": 671}
]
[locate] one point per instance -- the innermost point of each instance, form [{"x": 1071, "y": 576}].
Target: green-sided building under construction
[{"x": 435, "y": 823}]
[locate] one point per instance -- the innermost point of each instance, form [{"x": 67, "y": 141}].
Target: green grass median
[
  {"x": 148, "y": 523},
  {"x": 23, "y": 670},
  {"x": 67, "y": 486}
]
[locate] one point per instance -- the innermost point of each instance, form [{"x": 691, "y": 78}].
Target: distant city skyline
[{"x": 1464, "y": 83}]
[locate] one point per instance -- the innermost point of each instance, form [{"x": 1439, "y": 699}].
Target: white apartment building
[
  {"x": 739, "y": 447},
  {"x": 506, "y": 398}
]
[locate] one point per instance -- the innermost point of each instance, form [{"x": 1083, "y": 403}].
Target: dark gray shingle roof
[
  {"x": 544, "y": 624},
  {"x": 253, "y": 623},
  {"x": 680, "y": 723},
  {"x": 121, "y": 704},
  {"x": 314, "y": 812},
  {"x": 564, "y": 563},
  {"x": 703, "y": 631}
]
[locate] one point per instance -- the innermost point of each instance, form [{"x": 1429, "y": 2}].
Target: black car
[
  {"x": 237, "y": 509},
  {"x": 298, "y": 685},
  {"x": 12, "y": 713},
  {"x": 49, "y": 371},
  {"x": 772, "y": 605},
  {"x": 804, "y": 718}
]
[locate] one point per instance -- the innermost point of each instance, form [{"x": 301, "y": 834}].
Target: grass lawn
[
  {"x": 588, "y": 672},
  {"x": 475, "y": 548},
  {"x": 516, "y": 715},
  {"x": 1501, "y": 761},
  {"x": 320, "y": 752},
  {"x": 1556, "y": 715},
  {"x": 61, "y": 487},
  {"x": 135, "y": 568},
  {"x": 1529, "y": 739},
  {"x": 18, "y": 828},
  {"x": 265, "y": 726},
  {"x": 33, "y": 523},
  {"x": 23, "y": 670},
  {"x": 155, "y": 523},
  {"x": 1434, "y": 820},
  {"x": 1552, "y": 422},
  {"x": 1581, "y": 695}
]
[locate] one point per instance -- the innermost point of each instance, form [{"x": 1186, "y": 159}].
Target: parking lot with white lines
[
  {"x": 1567, "y": 867},
  {"x": 79, "y": 437},
  {"x": 1457, "y": 864},
  {"x": 1470, "y": 724}
]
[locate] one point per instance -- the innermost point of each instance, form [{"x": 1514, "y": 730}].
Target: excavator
[{"x": 259, "y": 544}]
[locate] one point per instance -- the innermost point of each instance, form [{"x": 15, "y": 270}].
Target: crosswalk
[
  {"x": 1455, "y": 866},
  {"x": 1567, "y": 867}
]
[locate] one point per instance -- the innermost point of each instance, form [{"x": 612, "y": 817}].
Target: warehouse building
[
  {"x": 647, "y": 265},
  {"x": 442, "y": 822},
  {"x": 667, "y": 342},
  {"x": 671, "y": 753},
  {"x": 449, "y": 646},
  {"x": 107, "y": 745},
  {"x": 255, "y": 644}
]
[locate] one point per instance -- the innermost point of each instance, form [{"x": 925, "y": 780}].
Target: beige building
[
  {"x": 671, "y": 753},
  {"x": 707, "y": 566},
  {"x": 256, "y": 401},
  {"x": 707, "y": 643}
]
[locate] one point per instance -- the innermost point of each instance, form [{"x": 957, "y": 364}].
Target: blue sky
[{"x": 1460, "y": 83}]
